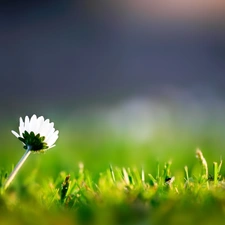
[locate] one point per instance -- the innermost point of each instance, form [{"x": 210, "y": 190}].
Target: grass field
[{"x": 99, "y": 174}]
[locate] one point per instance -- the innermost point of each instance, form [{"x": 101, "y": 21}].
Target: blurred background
[{"x": 124, "y": 81}]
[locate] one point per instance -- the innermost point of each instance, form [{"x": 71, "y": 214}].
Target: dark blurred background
[{"x": 64, "y": 54}]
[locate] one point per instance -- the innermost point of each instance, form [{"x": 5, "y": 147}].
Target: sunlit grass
[{"x": 117, "y": 195}]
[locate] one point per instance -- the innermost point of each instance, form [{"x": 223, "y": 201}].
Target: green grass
[
  {"x": 117, "y": 195},
  {"x": 95, "y": 176}
]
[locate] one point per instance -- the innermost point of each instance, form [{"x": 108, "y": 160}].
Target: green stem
[
  {"x": 17, "y": 167},
  {"x": 186, "y": 173},
  {"x": 112, "y": 173},
  {"x": 215, "y": 171}
]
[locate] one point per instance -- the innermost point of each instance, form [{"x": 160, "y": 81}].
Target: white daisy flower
[{"x": 37, "y": 134}]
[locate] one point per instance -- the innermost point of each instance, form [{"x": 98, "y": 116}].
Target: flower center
[{"x": 33, "y": 142}]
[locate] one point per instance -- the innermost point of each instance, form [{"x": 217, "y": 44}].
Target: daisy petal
[
  {"x": 52, "y": 140},
  {"x": 40, "y": 121},
  {"x": 21, "y": 127},
  {"x": 50, "y": 133},
  {"x": 51, "y": 147},
  {"x": 33, "y": 123},
  {"x": 14, "y": 132},
  {"x": 26, "y": 124},
  {"x": 44, "y": 128}
]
